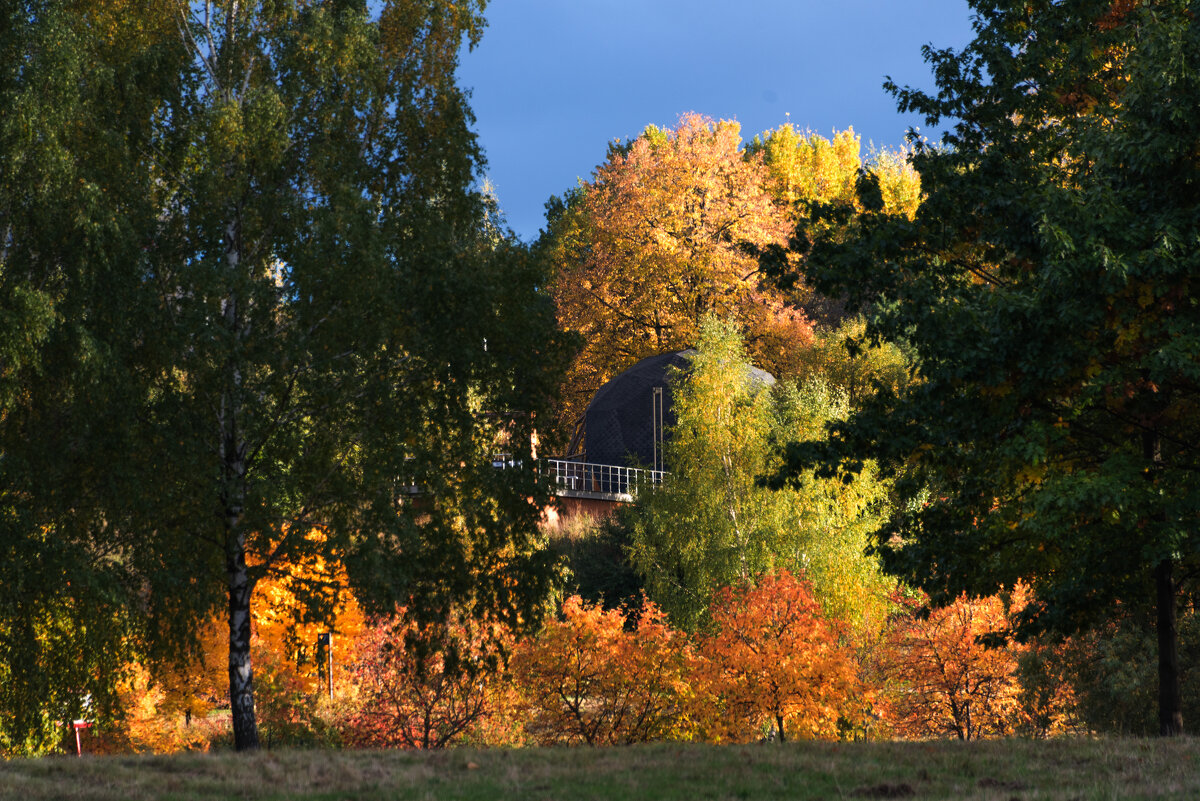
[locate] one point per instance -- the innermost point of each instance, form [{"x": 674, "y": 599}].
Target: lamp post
[{"x": 325, "y": 644}]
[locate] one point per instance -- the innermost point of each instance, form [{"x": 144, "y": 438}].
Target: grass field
[{"x": 1002, "y": 770}]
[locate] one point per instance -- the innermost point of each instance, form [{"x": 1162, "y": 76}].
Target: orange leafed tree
[
  {"x": 775, "y": 659},
  {"x": 655, "y": 241},
  {"x": 165, "y": 713},
  {"x": 170, "y": 706},
  {"x": 589, "y": 679},
  {"x": 290, "y": 672},
  {"x": 942, "y": 681}
]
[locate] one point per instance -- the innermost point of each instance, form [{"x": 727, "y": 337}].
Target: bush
[{"x": 589, "y": 679}]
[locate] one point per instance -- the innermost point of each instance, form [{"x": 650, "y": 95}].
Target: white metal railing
[{"x": 607, "y": 478}]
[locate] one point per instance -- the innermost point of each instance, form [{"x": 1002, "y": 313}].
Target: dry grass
[{"x": 996, "y": 771}]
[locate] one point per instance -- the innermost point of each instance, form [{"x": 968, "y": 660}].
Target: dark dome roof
[{"x": 619, "y": 423}]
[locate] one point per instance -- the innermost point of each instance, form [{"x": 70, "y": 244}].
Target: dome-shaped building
[
  {"x": 627, "y": 419},
  {"x": 626, "y": 425}
]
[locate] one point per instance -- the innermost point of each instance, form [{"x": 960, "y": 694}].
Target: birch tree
[
  {"x": 713, "y": 524},
  {"x": 287, "y": 309}
]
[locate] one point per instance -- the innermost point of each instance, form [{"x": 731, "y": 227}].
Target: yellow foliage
[{"x": 807, "y": 167}]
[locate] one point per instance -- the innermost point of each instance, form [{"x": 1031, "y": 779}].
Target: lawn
[{"x": 1002, "y": 770}]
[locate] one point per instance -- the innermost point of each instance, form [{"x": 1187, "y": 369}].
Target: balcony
[{"x": 602, "y": 481}]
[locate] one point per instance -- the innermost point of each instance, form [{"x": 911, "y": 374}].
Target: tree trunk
[
  {"x": 779, "y": 722},
  {"x": 233, "y": 496},
  {"x": 1170, "y": 700},
  {"x": 241, "y": 674}
]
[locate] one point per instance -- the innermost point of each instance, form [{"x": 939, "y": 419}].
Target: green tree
[
  {"x": 67, "y": 595},
  {"x": 1044, "y": 288},
  {"x": 1112, "y": 671},
  {"x": 713, "y": 525},
  {"x": 267, "y": 301}
]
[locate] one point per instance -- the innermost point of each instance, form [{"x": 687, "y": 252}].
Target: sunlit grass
[{"x": 1001, "y": 770}]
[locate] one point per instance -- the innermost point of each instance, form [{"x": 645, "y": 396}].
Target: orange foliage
[
  {"x": 1118, "y": 10},
  {"x": 655, "y": 242},
  {"x": 943, "y": 682},
  {"x": 283, "y": 628},
  {"x": 156, "y": 718},
  {"x": 774, "y": 659},
  {"x": 590, "y": 679},
  {"x": 176, "y": 706},
  {"x": 430, "y": 686},
  {"x": 289, "y": 673}
]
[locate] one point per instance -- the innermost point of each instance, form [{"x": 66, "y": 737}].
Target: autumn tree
[
  {"x": 805, "y": 166},
  {"x": 592, "y": 679},
  {"x": 805, "y": 169},
  {"x": 426, "y": 686},
  {"x": 809, "y": 175},
  {"x": 1044, "y": 288},
  {"x": 169, "y": 704},
  {"x": 655, "y": 241},
  {"x": 713, "y": 524},
  {"x": 950, "y": 672},
  {"x": 850, "y": 365},
  {"x": 296, "y": 603},
  {"x": 260, "y": 296},
  {"x": 943, "y": 680},
  {"x": 774, "y": 658}
]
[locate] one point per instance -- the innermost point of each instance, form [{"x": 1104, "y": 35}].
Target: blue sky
[{"x": 553, "y": 81}]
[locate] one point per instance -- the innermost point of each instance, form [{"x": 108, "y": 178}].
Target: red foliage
[{"x": 426, "y": 686}]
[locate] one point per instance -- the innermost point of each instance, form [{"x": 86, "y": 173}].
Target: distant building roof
[{"x": 621, "y": 422}]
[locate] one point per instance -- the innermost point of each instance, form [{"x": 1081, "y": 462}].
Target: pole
[{"x": 325, "y": 641}]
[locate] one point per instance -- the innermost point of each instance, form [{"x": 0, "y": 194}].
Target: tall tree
[
  {"x": 1044, "y": 286},
  {"x": 656, "y": 241},
  {"x": 279, "y": 305},
  {"x": 68, "y": 596}
]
